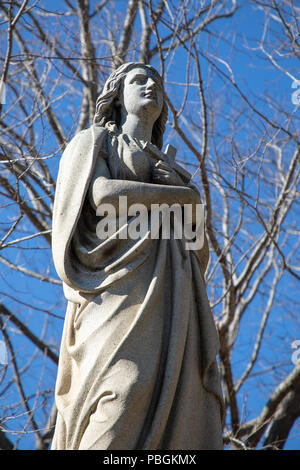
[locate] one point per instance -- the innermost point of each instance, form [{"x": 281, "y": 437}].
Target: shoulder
[
  {"x": 84, "y": 141},
  {"x": 87, "y": 134},
  {"x": 77, "y": 162}
]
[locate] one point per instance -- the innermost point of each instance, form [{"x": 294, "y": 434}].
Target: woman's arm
[
  {"x": 108, "y": 191},
  {"x": 105, "y": 190}
]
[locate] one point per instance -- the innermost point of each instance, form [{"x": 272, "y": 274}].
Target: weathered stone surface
[{"x": 137, "y": 367}]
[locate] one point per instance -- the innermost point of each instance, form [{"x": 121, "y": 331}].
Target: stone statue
[{"x": 137, "y": 366}]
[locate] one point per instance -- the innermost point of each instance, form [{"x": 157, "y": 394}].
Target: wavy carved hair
[{"x": 108, "y": 109}]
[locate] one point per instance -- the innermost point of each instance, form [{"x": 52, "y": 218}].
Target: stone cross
[{"x": 169, "y": 157}]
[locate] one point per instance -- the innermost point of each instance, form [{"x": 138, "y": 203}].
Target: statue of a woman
[{"x": 137, "y": 366}]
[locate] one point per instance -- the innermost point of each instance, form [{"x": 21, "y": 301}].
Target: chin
[{"x": 151, "y": 104}]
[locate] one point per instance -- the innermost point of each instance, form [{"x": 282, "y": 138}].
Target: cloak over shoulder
[{"x": 137, "y": 366}]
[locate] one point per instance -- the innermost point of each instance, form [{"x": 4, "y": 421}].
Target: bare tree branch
[
  {"x": 290, "y": 383},
  {"x": 126, "y": 32}
]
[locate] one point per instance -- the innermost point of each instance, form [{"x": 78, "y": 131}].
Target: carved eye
[{"x": 140, "y": 80}]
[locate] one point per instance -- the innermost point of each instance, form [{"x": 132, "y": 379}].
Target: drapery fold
[{"x": 137, "y": 367}]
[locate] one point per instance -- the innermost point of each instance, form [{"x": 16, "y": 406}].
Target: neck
[{"x": 137, "y": 127}]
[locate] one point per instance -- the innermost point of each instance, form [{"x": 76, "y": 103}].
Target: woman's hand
[{"x": 164, "y": 174}]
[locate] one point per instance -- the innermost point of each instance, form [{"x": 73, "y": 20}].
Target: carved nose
[{"x": 151, "y": 85}]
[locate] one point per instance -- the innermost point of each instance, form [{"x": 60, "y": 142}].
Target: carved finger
[{"x": 162, "y": 165}]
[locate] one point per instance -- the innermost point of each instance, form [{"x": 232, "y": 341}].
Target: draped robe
[{"x": 137, "y": 365}]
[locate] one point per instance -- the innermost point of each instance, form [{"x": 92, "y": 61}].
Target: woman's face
[{"x": 142, "y": 93}]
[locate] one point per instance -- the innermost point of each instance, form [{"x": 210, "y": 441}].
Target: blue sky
[{"x": 256, "y": 78}]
